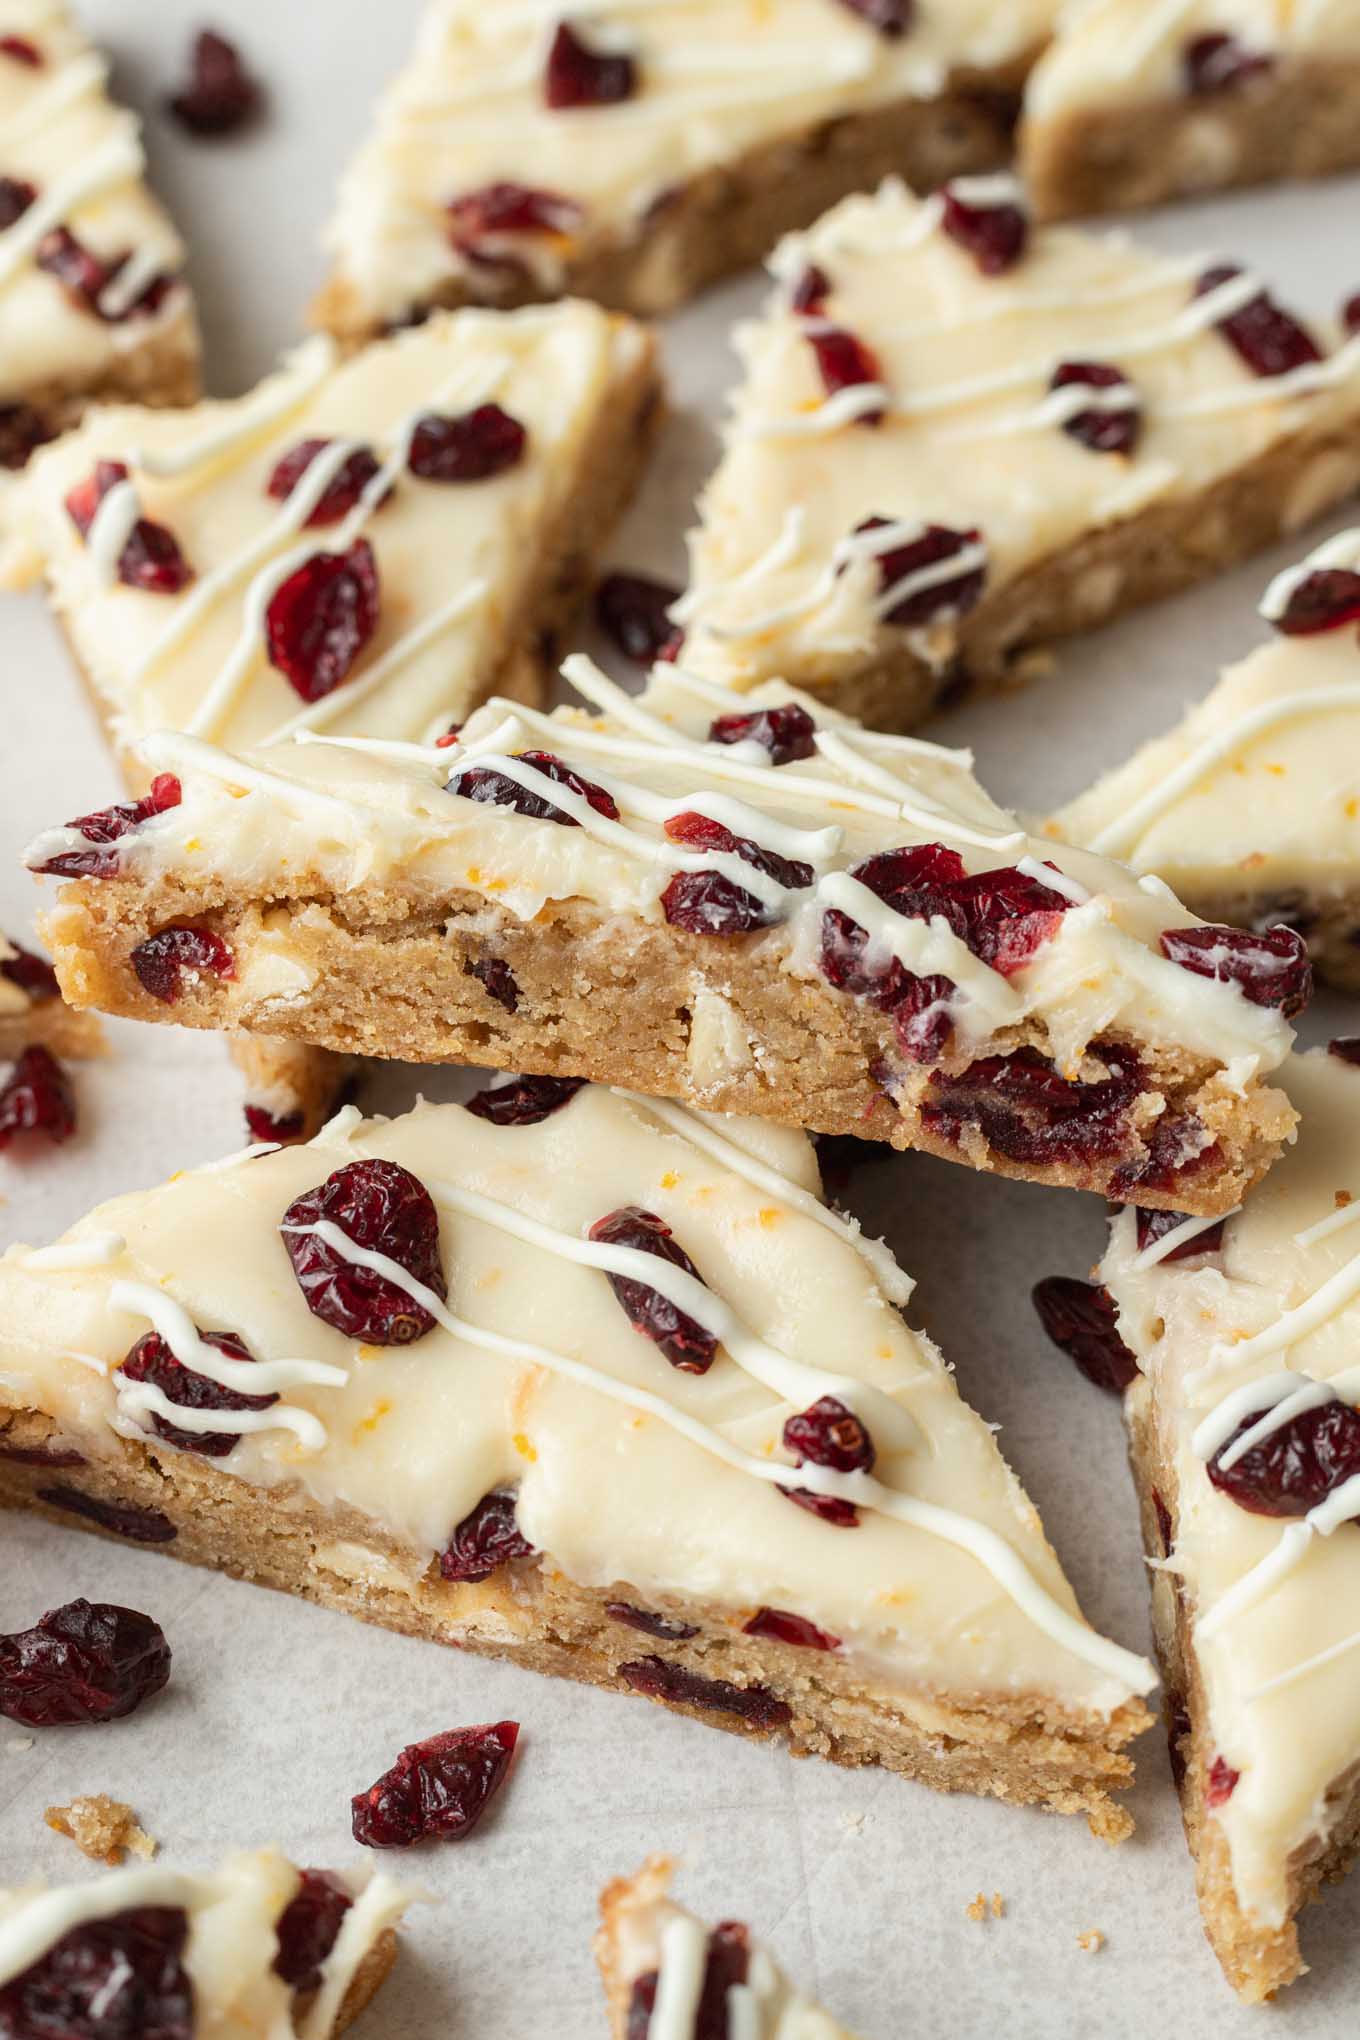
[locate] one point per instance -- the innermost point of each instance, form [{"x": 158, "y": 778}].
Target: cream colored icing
[
  {"x": 779, "y": 581},
  {"x": 454, "y": 560},
  {"x": 716, "y": 79},
  {"x": 627, "y": 1471},
  {"x": 1267, "y": 1323},
  {"x": 14, "y": 1000},
  {"x": 231, "y": 1944}
]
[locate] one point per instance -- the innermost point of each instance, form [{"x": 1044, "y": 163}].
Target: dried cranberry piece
[
  {"x": 921, "y": 1018},
  {"x": 16, "y": 196},
  {"x": 221, "y": 96},
  {"x": 844, "y": 362},
  {"x": 1102, "y": 428},
  {"x": 577, "y": 75},
  {"x": 1323, "y": 600},
  {"x": 936, "y": 544},
  {"x": 83, "y": 501},
  {"x": 22, "y": 50},
  {"x": 151, "y": 559},
  {"x": 666, "y": 1627},
  {"x": 832, "y": 1509},
  {"x": 525, "y": 1101},
  {"x": 37, "y": 1098},
  {"x": 1176, "y": 1148},
  {"x": 469, "y": 448},
  {"x": 1346, "y": 1047},
  {"x": 307, "y": 1928},
  {"x": 1297, "y": 1466},
  {"x": 321, "y": 618},
  {"x": 782, "y": 1627},
  {"x": 165, "y": 959},
  {"x": 23, "y": 429},
  {"x": 488, "y": 1537},
  {"x": 1270, "y": 340},
  {"x": 386, "y": 1210},
  {"x": 87, "y": 1662},
  {"x": 889, "y": 17},
  {"x": 506, "y": 208},
  {"x": 497, "y": 977},
  {"x": 828, "y": 1434},
  {"x": 33, "y": 974},
  {"x": 661, "y": 1681},
  {"x": 341, "y": 493},
  {"x": 1004, "y": 916},
  {"x": 274, "y": 1127},
  {"x": 995, "y": 234},
  {"x": 124, "y": 1519},
  {"x": 1155, "y": 1225},
  {"x": 152, "y": 1360},
  {"x": 438, "y": 1789},
  {"x": 1270, "y": 968},
  {"x": 1219, "y": 63},
  {"x": 786, "y": 732},
  {"x": 117, "y": 1978},
  {"x": 810, "y": 290},
  {"x": 1350, "y": 315},
  {"x": 1220, "y": 1784},
  {"x": 707, "y": 903},
  {"x": 1082, "y": 1321},
  {"x": 41, "y": 1455},
  {"x": 486, "y": 784},
  {"x": 1030, "y": 1113},
  {"x": 86, "y": 278},
  {"x": 726, "y": 1965},
  {"x": 685, "y": 1342},
  {"x": 631, "y": 611}
]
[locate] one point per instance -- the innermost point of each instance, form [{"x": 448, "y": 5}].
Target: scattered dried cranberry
[
  {"x": 787, "y": 733},
  {"x": 23, "y": 429},
  {"x": 844, "y": 362},
  {"x": 438, "y": 1789},
  {"x": 469, "y": 448},
  {"x": 22, "y": 50},
  {"x": 1155, "y": 1225},
  {"x": 1103, "y": 428},
  {"x": 661, "y": 1681},
  {"x": 1326, "y": 599},
  {"x": 631, "y": 611},
  {"x": 1082, "y": 1321},
  {"x": 577, "y": 75},
  {"x": 151, "y": 559},
  {"x": 1177, "y": 1147},
  {"x": 828, "y": 1434},
  {"x": 37, "y": 1098},
  {"x": 1297, "y": 1466},
  {"x": 1219, "y": 63},
  {"x": 123, "y": 1519},
  {"x": 726, "y": 1965},
  {"x": 1270, "y": 968},
  {"x": 782, "y": 1627},
  {"x": 341, "y": 493},
  {"x": 1030, "y": 1113},
  {"x": 16, "y": 196},
  {"x": 488, "y": 1537},
  {"x": 666, "y": 1627},
  {"x": 889, "y": 17},
  {"x": 274, "y": 1127},
  {"x": 832, "y": 1509},
  {"x": 83, "y": 501},
  {"x": 82, "y": 1664},
  {"x": 1270, "y": 340},
  {"x": 507, "y": 208},
  {"x": 385, "y": 1210},
  {"x": 152, "y": 1360},
  {"x": 995, "y": 234},
  {"x": 498, "y": 979},
  {"x": 165, "y": 959},
  {"x": 116, "y": 1978},
  {"x": 1220, "y": 1784},
  {"x": 707, "y": 903},
  {"x": 33, "y": 974},
  {"x": 497, "y": 789},
  {"x": 307, "y": 1928},
  {"x": 685, "y": 1342},
  {"x": 1346, "y": 1047},
  {"x": 525, "y": 1101},
  {"x": 321, "y": 618},
  {"x": 902, "y": 563},
  {"x": 221, "y": 96}
]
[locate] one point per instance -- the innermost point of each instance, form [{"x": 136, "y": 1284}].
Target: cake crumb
[
  {"x": 998, "y": 1906},
  {"x": 853, "y": 1823},
  {"x": 103, "y": 1829},
  {"x": 18, "y": 1744},
  {"x": 978, "y": 1909},
  {"x": 1092, "y": 1941}
]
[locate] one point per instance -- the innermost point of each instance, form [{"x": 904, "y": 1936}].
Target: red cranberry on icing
[
  {"x": 438, "y": 1789},
  {"x": 151, "y": 559},
  {"x": 937, "y": 544},
  {"x": 782, "y": 1627},
  {"x": 1345, "y": 1047},
  {"x": 341, "y": 493},
  {"x": 786, "y": 732},
  {"x": 832, "y": 1509},
  {"x": 726, "y": 1965},
  {"x": 844, "y": 362},
  {"x": 83, "y": 1663},
  {"x": 1082, "y": 1321},
  {"x": 1155, "y": 1225},
  {"x": 1102, "y": 428},
  {"x": 307, "y": 1928},
  {"x": 1325, "y": 599},
  {"x": 631, "y": 611},
  {"x": 165, "y": 960},
  {"x": 33, "y": 974},
  {"x": 107, "y": 827},
  {"x": 922, "y": 1021},
  {"x": 666, "y": 1627},
  {"x": 659, "y": 1680},
  {"x": 889, "y": 17},
  {"x": 498, "y": 789},
  {"x": 37, "y": 1098},
  {"x": 1219, "y": 63},
  {"x": 83, "y": 501},
  {"x": 1296, "y": 1466},
  {"x": 1271, "y": 968},
  {"x": 468, "y": 448},
  {"x": 122, "y": 1519},
  {"x": 707, "y": 903},
  {"x": 810, "y": 290},
  {"x": 685, "y": 1343},
  {"x": 506, "y": 208},
  {"x": 220, "y": 96},
  {"x": 384, "y": 1209},
  {"x": 23, "y": 429},
  {"x": 828, "y": 1434},
  {"x": 16, "y": 196},
  {"x": 22, "y": 51},
  {"x": 1270, "y": 340},
  {"x": 578, "y": 75},
  {"x": 86, "y": 277},
  {"x": 487, "y": 1538},
  {"x": 321, "y": 618},
  {"x": 994, "y": 232},
  {"x": 274, "y": 1127},
  {"x": 151, "y": 1360},
  {"x": 1029, "y": 1112},
  {"x": 121, "y": 1977},
  {"x": 1220, "y": 1784},
  {"x": 524, "y": 1101}
]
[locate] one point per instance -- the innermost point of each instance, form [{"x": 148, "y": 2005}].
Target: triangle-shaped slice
[
  {"x": 635, "y": 154},
  {"x": 1246, "y": 1447},
  {"x": 1250, "y": 807},
  {"x": 959, "y": 436},
  {"x": 665, "y": 1973},
  {"x": 586, "y": 1382}
]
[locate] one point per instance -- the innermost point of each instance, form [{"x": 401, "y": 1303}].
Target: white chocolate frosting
[
  {"x": 715, "y": 80},
  {"x": 970, "y": 437},
  {"x": 454, "y": 560},
  {"x": 231, "y": 1945},
  {"x": 626, "y": 1469},
  {"x": 1270, "y": 1321}
]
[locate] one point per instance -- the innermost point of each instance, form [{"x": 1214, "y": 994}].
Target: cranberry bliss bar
[
  {"x": 800, "y": 918},
  {"x": 664, "y": 142},
  {"x": 590, "y": 1383},
  {"x": 33, "y": 1013},
  {"x": 959, "y": 437}
]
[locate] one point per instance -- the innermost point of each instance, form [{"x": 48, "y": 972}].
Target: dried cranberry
[
  {"x": 341, "y": 493},
  {"x": 707, "y": 903},
  {"x": 1219, "y": 63},
  {"x": 1177, "y": 1147},
  {"x": 151, "y": 558},
  {"x": 525, "y": 1101},
  {"x": 276, "y": 1128},
  {"x": 832, "y": 1509},
  {"x": 41, "y": 1455},
  {"x": 995, "y": 234},
  {"x": 1296, "y": 1466},
  {"x": 123, "y": 1519},
  {"x": 165, "y": 959},
  {"x": 672, "y": 1683},
  {"x": 1350, "y": 315},
  {"x": 486, "y": 784},
  {"x": 488, "y": 1537},
  {"x": 1102, "y": 428},
  {"x": 1270, "y": 340},
  {"x": 828, "y": 1434},
  {"x": 385, "y": 1210},
  {"x": 22, "y": 50},
  {"x": 844, "y": 362},
  {"x": 321, "y": 618},
  {"x": 782, "y": 1627},
  {"x": 221, "y": 96},
  {"x": 83, "y": 501},
  {"x": 1082, "y": 1321},
  {"x": 922, "y": 1020},
  {"x": 577, "y": 75},
  {"x": 16, "y": 196},
  {"x": 86, "y": 278},
  {"x": 498, "y": 979},
  {"x": 151, "y": 1360},
  {"x": 726, "y": 1965},
  {"x": 84, "y": 1663},
  {"x": 1346, "y": 1047},
  {"x": 1270, "y": 968},
  {"x": 1326, "y": 599},
  {"x": 116, "y": 1978},
  {"x": 1030, "y": 1113},
  {"x": 507, "y": 208},
  {"x": 666, "y": 1627},
  {"x": 1220, "y": 1784},
  {"x": 787, "y": 733},
  {"x": 469, "y": 448},
  {"x": 438, "y": 1789},
  {"x": 37, "y": 1098},
  {"x": 936, "y": 544},
  {"x": 307, "y": 1928},
  {"x": 33, "y": 974},
  {"x": 1164, "y": 1531},
  {"x": 1155, "y": 1225},
  {"x": 889, "y": 17},
  {"x": 23, "y": 429},
  {"x": 685, "y": 1342},
  {"x": 631, "y": 611}
]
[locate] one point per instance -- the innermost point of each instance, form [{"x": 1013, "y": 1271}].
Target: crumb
[
  {"x": 1092, "y": 1941},
  {"x": 17, "y": 1744},
  {"x": 998, "y": 1906},
  {"x": 1342, "y": 1199},
  {"x": 978, "y": 1909},
  {"x": 101, "y": 1828},
  {"x": 853, "y": 1823}
]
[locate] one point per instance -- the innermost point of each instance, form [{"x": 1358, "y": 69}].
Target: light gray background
[{"x": 279, "y": 1712}]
